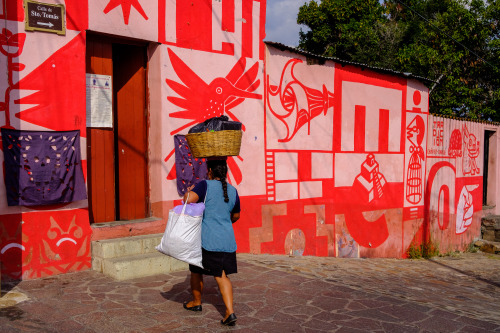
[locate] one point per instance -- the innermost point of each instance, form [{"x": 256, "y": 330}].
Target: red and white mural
[{"x": 336, "y": 160}]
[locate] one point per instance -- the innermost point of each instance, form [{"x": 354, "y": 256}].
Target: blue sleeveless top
[{"x": 217, "y": 232}]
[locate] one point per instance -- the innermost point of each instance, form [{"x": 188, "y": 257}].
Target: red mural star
[{"x": 126, "y": 4}]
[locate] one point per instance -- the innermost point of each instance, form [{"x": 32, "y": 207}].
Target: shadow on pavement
[
  {"x": 181, "y": 292},
  {"x": 493, "y": 283}
]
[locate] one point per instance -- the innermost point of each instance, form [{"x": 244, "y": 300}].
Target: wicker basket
[{"x": 219, "y": 143}]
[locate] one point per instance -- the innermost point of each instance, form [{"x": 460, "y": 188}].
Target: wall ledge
[{"x": 120, "y": 229}]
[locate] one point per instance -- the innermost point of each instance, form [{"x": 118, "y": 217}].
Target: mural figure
[
  {"x": 465, "y": 209},
  {"x": 201, "y": 101},
  {"x": 299, "y": 101},
  {"x": 470, "y": 153},
  {"x": 455, "y": 148},
  {"x": 415, "y": 134},
  {"x": 126, "y": 6},
  {"x": 11, "y": 46},
  {"x": 370, "y": 182}
]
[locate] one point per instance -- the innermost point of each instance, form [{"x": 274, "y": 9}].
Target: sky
[{"x": 281, "y": 21}]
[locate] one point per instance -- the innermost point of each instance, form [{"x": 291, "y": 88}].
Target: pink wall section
[{"x": 336, "y": 160}]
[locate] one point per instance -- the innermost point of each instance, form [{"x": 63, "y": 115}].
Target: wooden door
[
  {"x": 100, "y": 143},
  {"x": 117, "y": 157},
  {"x": 129, "y": 80}
]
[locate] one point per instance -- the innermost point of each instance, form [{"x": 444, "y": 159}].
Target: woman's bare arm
[{"x": 193, "y": 197}]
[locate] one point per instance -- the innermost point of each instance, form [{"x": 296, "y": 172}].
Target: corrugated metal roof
[
  {"x": 494, "y": 123},
  {"x": 345, "y": 62}
]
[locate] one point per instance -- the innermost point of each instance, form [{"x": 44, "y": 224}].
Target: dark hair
[{"x": 219, "y": 170}]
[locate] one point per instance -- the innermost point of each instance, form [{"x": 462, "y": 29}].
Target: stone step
[
  {"x": 132, "y": 257},
  {"x": 142, "y": 265},
  {"x": 488, "y": 246},
  {"x": 126, "y": 246}
]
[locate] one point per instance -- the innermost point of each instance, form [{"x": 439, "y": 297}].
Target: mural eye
[{"x": 218, "y": 90}]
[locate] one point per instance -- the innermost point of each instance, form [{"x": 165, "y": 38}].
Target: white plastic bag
[{"x": 182, "y": 237}]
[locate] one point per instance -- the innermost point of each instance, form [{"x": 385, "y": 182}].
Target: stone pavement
[{"x": 459, "y": 293}]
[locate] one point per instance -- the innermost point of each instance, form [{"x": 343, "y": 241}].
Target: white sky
[{"x": 281, "y": 21}]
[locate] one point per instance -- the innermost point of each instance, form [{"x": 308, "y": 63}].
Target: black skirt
[{"x": 216, "y": 262}]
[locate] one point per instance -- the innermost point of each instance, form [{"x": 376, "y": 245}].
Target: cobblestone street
[{"x": 457, "y": 293}]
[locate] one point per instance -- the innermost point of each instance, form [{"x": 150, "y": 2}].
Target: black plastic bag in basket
[{"x": 221, "y": 123}]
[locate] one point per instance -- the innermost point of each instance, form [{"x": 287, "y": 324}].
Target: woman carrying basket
[{"x": 222, "y": 208}]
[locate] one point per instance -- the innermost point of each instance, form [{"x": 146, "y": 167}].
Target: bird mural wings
[{"x": 199, "y": 100}]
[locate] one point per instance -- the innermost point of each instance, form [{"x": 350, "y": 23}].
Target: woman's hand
[
  {"x": 235, "y": 217},
  {"x": 190, "y": 196}
]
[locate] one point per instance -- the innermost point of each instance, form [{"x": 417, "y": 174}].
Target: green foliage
[
  {"x": 471, "y": 248},
  {"x": 341, "y": 28},
  {"x": 424, "y": 250},
  {"x": 456, "y": 43}
]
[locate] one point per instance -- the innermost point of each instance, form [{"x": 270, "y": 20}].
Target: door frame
[{"x": 92, "y": 37}]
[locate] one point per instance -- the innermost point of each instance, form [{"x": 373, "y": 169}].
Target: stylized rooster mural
[
  {"x": 200, "y": 101},
  {"x": 302, "y": 102}
]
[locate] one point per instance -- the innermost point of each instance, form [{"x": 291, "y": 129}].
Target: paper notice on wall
[{"x": 99, "y": 101}]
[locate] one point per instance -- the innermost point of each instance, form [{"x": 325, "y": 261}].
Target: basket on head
[{"x": 217, "y": 143}]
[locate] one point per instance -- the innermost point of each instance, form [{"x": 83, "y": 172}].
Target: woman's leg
[
  {"x": 226, "y": 290},
  {"x": 196, "y": 289}
]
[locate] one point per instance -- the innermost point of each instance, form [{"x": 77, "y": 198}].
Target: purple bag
[{"x": 192, "y": 209}]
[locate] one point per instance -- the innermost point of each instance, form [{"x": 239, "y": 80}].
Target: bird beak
[{"x": 245, "y": 94}]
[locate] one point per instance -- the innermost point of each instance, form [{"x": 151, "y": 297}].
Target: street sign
[{"x": 45, "y": 17}]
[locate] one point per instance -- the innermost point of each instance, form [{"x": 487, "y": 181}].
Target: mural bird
[
  {"x": 200, "y": 100},
  {"x": 297, "y": 99}
]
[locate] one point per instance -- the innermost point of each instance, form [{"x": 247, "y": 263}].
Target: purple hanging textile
[
  {"x": 42, "y": 168},
  {"x": 189, "y": 170}
]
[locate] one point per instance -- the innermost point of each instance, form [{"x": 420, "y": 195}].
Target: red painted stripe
[
  {"x": 359, "y": 128},
  {"x": 161, "y": 20},
  {"x": 383, "y": 131},
  {"x": 304, "y": 165},
  {"x": 194, "y": 24},
  {"x": 246, "y": 33},
  {"x": 262, "y": 27},
  {"x": 228, "y": 15}
]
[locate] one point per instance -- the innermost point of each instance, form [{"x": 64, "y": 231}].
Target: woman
[{"x": 222, "y": 208}]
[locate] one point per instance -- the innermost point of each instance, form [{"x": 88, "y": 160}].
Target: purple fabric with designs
[
  {"x": 189, "y": 170},
  {"x": 42, "y": 168}
]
